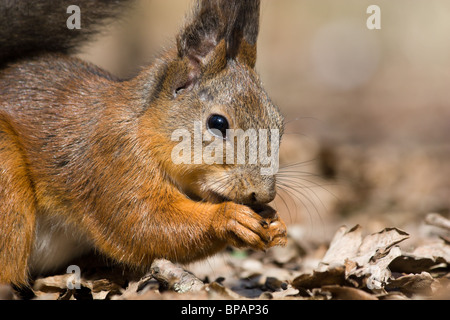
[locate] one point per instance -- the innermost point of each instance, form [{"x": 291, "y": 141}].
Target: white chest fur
[{"x": 55, "y": 245}]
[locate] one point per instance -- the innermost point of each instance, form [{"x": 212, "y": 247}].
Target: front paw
[
  {"x": 244, "y": 227},
  {"x": 276, "y": 228}
]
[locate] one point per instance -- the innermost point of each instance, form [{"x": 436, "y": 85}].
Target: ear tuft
[
  {"x": 244, "y": 31},
  {"x": 202, "y": 34},
  {"x": 235, "y": 21}
]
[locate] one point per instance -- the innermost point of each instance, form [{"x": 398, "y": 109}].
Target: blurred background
[{"x": 367, "y": 111}]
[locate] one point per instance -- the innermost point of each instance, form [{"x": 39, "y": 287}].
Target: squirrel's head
[{"x": 219, "y": 132}]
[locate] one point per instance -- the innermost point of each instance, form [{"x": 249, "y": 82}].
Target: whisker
[
  {"x": 292, "y": 196},
  {"x": 289, "y": 173},
  {"x": 296, "y": 181},
  {"x": 286, "y": 122},
  {"x": 286, "y": 205},
  {"x": 309, "y": 188},
  {"x": 295, "y": 164},
  {"x": 298, "y": 194}
]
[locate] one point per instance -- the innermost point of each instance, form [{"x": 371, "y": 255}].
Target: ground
[{"x": 354, "y": 265}]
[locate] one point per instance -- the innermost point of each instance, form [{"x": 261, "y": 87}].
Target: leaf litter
[{"x": 354, "y": 266}]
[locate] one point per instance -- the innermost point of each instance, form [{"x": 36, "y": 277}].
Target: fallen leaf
[
  {"x": 289, "y": 292},
  {"x": 409, "y": 263},
  {"x": 375, "y": 274},
  {"x": 274, "y": 284},
  {"x": 437, "y": 220},
  {"x": 105, "y": 285},
  {"x": 434, "y": 250},
  {"x": 53, "y": 284},
  {"x": 320, "y": 278},
  {"x": 345, "y": 244},
  {"x": 216, "y": 290},
  {"x": 365, "y": 260},
  {"x": 100, "y": 295},
  {"x": 348, "y": 293},
  {"x": 380, "y": 243},
  {"x": 422, "y": 283},
  {"x": 393, "y": 295},
  {"x": 46, "y": 296},
  {"x": 174, "y": 277},
  {"x": 423, "y": 258}
]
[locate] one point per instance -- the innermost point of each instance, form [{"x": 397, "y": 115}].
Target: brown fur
[{"x": 95, "y": 153}]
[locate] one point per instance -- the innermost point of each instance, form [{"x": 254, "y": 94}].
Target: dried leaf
[
  {"x": 100, "y": 295},
  {"x": 289, "y": 292},
  {"x": 105, "y": 285},
  {"x": 345, "y": 244},
  {"x": 437, "y": 220},
  {"x": 46, "y": 296},
  {"x": 320, "y": 278},
  {"x": 350, "y": 266},
  {"x": 409, "y": 263},
  {"x": 422, "y": 283},
  {"x": 348, "y": 293},
  {"x": 217, "y": 291},
  {"x": 374, "y": 275},
  {"x": 174, "y": 277},
  {"x": 393, "y": 295},
  {"x": 437, "y": 250},
  {"x": 54, "y": 284},
  {"x": 274, "y": 284},
  {"x": 423, "y": 258},
  {"x": 379, "y": 243}
]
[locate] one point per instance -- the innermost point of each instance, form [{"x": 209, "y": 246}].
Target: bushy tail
[{"x": 28, "y": 28}]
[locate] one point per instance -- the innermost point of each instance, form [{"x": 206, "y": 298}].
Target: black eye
[{"x": 218, "y": 122}]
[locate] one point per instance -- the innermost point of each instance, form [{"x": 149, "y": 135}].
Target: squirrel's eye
[{"x": 218, "y": 122}]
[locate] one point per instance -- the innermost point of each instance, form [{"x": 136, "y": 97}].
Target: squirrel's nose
[{"x": 260, "y": 196}]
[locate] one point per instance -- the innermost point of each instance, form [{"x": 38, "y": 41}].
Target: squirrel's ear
[
  {"x": 220, "y": 30},
  {"x": 243, "y": 34}
]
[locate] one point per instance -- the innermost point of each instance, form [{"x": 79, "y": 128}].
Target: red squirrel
[{"x": 86, "y": 158}]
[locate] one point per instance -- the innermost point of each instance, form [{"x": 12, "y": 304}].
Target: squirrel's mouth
[
  {"x": 262, "y": 209},
  {"x": 203, "y": 194},
  {"x": 210, "y": 196},
  {"x": 215, "y": 197}
]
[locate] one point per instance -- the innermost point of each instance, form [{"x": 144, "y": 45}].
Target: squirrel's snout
[
  {"x": 258, "y": 197},
  {"x": 250, "y": 189}
]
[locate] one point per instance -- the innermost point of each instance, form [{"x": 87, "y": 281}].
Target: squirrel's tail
[{"x": 28, "y": 28}]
